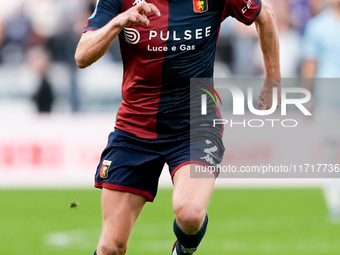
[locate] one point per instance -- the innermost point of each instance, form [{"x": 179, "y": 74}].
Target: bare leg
[
  {"x": 190, "y": 199},
  {"x": 120, "y": 212}
]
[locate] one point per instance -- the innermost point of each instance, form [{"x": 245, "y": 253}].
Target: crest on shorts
[
  {"x": 200, "y": 6},
  {"x": 104, "y": 170}
]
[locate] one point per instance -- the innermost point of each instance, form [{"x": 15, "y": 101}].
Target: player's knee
[
  {"x": 190, "y": 217},
  {"x": 114, "y": 248}
]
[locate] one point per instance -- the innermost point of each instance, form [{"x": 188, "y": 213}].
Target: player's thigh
[
  {"x": 191, "y": 195},
  {"x": 120, "y": 212}
]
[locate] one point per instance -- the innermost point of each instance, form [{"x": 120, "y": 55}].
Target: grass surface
[{"x": 241, "y": 221}]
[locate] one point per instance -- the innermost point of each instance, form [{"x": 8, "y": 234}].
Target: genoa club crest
[
  {"x": 104, "y": 170},
  {"x": 200, "y": 6}
]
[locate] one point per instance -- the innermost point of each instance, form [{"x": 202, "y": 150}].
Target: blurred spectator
[
  {"x": 300, "y": 13},
  {"x": 61, "y": 39},
  {"x": 244, "y": 39},
  {"x": 16, "y": 37},
  {"x": 321, "y": 44},
  {"x": 39, "y": 60},
  {"x": 322, "y": 60},
  {"x": 56, "y": 25},
  {"x": 290, "y": 43},
  {"x": 316, "y": 6},
  {"x": 224, "y": 50},
  {"x": 2, "y": 32},
  {"x": 244, "y": 47},
  {"x": 303, "y": 10}
]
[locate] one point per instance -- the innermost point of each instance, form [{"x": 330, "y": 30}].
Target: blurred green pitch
[{"x": 242, "y": 221}]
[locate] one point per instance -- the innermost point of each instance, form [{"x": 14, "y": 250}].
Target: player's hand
[
  {"x": 266, "y": 93},
  {"x": 137, "y": 14}
]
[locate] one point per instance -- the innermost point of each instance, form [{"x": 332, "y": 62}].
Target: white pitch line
[{"x": 81, "y": 239}]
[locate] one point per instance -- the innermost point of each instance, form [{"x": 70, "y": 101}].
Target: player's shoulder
[
  {"x": 104, "y": 11},
  {"x": 108, "y": 5},
  {"x": 245, "y": 11}
]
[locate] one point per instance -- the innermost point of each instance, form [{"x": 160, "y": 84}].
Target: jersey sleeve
[
  {"x": 105, "y": 11},
  {"x": 245, "y": 11}
]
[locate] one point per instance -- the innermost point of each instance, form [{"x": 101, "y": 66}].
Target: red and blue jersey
[{"x": 160, "y": 59}]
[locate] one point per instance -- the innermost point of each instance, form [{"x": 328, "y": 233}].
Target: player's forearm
[
  {"x": 94, "y": 44},
  {"x": 269, "y": 41}
]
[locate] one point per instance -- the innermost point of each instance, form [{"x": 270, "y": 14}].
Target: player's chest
[
  {"x": 178, "y": 8},
  {"x": 184, "y": 25}
]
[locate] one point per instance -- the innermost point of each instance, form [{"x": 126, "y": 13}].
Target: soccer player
[
  {"x": 164, "y": 44},
  {"x": 322, "y": 61}
]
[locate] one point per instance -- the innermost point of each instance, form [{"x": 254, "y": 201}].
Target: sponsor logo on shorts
[
  {"x": 210, "y": 156},
  {"x": 104, "y": 170}
]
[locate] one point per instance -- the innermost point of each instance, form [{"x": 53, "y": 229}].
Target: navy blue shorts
[{"x": 134, "y": 164}]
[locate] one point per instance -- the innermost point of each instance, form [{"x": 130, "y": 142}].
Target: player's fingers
[
  {"x": 260, "y": 106},
  {"x": 133, "y": 20},
  {"x": 145, "y": 8},
  {"x": 261, "y": 97},
  {"x": 140, "y": 19},
  {"x": 278, "y": 101},
  {"x": 154, "y": 9},
  {"x": 268, "y": 106},
  {"x": 264, "y": 105}
]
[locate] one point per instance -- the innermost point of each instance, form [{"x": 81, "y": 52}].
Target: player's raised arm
[
  {"x": 94, "y": 44},
  {"x": 269, "y": 40}
]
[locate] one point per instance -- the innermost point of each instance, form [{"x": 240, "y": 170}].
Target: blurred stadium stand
[
  {"x": 56, "y": 26},
  {"x": 88, "y": 99}
]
